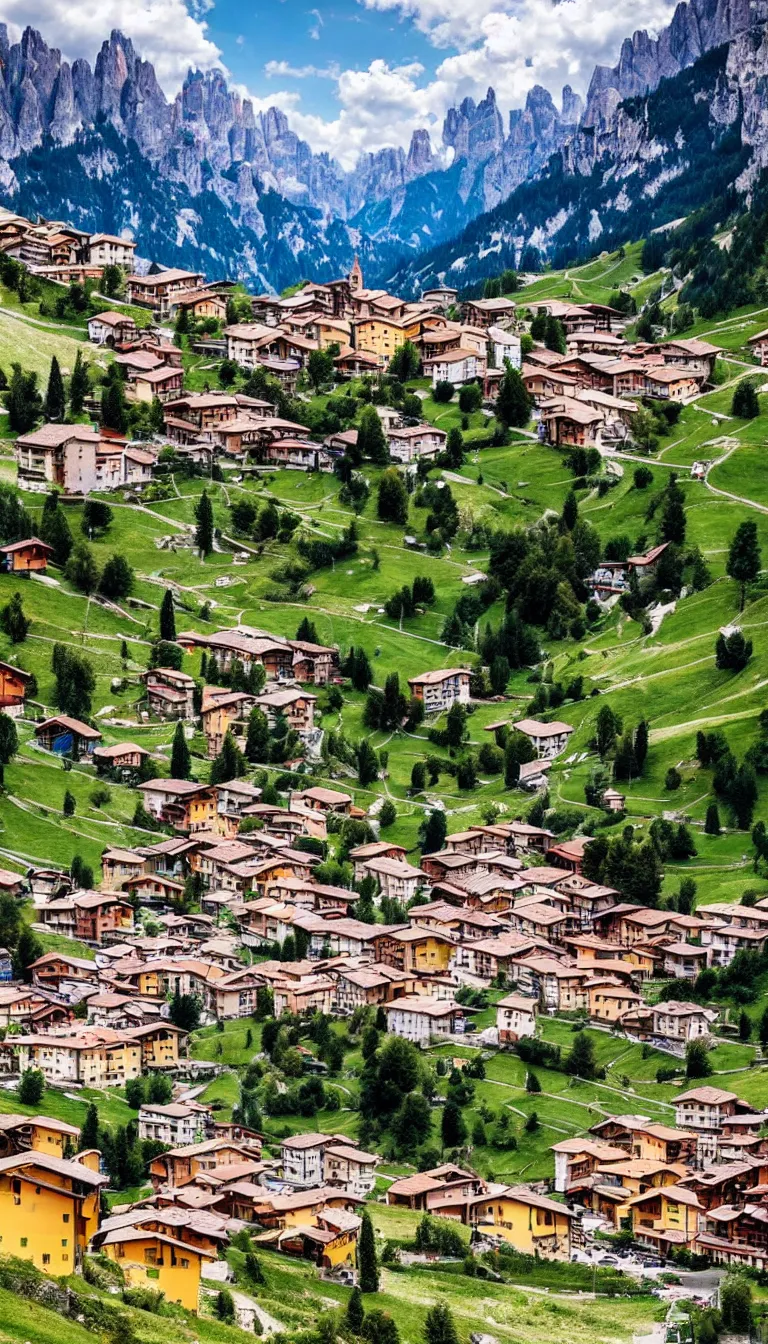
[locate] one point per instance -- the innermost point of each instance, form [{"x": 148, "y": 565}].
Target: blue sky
[
  {"x": 354, "y": 76},
  {"x": 340, "y": 36}
]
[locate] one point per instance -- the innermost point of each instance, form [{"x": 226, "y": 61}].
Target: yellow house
[
  {"x": 415, "y": 949},
  {"x": 636, "y": 1176},
  {"x": 379, "y": 335},
  {"x": 159, "y": 1042},
  {"x": 154, "y": 1260},
  {"x": 644, "y": 960},
  {"x": 608, "y": 1003},
  {"x": 666, "y": 1217},
  {"x": 38, "y": 1133},
  {"x": 95, "y": 1057},
  {"x": 49, "y": 1210},
  {"x": 531, "y": 1223},
  {"x": 330, "y": 1241}
]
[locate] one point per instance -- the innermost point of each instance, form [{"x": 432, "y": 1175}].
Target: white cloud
[
  {"x": 284, "y": 70},
  {"x": 447, "y": 22},
  {"x": 507, "y": 44},
  {"x": 380, "y": 107},
  {"x": 162, "y": 31},
  {"x": 314, "y": 31}
]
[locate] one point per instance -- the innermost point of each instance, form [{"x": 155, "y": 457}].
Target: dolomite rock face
[{"x": 228, "y": 167}]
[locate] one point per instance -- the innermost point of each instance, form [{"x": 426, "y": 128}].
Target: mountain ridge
[{"x": 209, "y": 142}]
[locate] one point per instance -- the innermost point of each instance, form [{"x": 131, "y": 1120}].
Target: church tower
[{"x": 356, "y": 276}]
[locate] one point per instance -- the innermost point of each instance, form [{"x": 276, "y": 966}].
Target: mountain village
[{"x": 466, "y": 952}]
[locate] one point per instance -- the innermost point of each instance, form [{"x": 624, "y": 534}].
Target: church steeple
[{"x": 356, "y": 276}]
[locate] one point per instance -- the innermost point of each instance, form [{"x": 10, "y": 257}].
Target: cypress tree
[
  {"x": 55, "y": 400},
  {"x": 368, "y": 1269},
  {"x": 89, "y": 1134},
  {"x": 712, "y": 823},
  {"x": 641, "y": 745},
  {"x": 78, "y": 385},
  {"x": 229, "y": 763},
  {"x": 355, "y": 1313},
  {"x": 181, "y": 760},
  {"x": 204, "y": 530},
  {"x": 167, "y": 617}
]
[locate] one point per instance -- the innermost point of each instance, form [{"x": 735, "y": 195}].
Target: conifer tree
[
  {"x": 79, "y": 385},
  {"x": 355, "y": 1313},
  {"x": 167, "y": 617},
  {"x": 229, "y": 763},
  {"x": 368, "y": 1269},
  {"x": 204, "y": 529},
  {"x": 55, "y": 400},
  {"x": 181, "y": 759}
]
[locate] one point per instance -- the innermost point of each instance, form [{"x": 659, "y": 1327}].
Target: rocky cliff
[{"x": 215, "y": 156}]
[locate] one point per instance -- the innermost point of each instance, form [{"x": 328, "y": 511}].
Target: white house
[
  {"x": 441, "y": 689},
  {"x": 682, "y": 1021},
  {"x": 705, "y": 1108},
  {"x": 416, "y": 441},
  {"x": 419, "y": 1017},
  {"x": 549, "y": 739},
  {"x": 503, "y": 346},
  {"x": 515, "y": 1017},
  {"x": 455, "y": 366},
  {"x": 398, "y": 880},
  {"x": 177, "y": 1124},
  {"x": 302, "y": 1157},
  {"x": 106, "y": 250},
  {"x": 111, "y": 328},
  {"x": 349, "y": 1168}
]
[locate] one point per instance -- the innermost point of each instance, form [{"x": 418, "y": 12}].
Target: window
[
  {"x": 46, "y": 1259},
  {"x": 23, "y": 1241}
]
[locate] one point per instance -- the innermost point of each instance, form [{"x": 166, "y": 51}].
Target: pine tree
[
  {"x": 641, "y": 745},
  {"x": 712, "y": 823},
  {"x": 371, "y": 439},
  {"x": 367, "y": 764},
  {"x": 229, "y": 763},
  {"x": 114, "y": 413},
  {"x": 69, "y": 804},
  {"x": 13, "y": 621},
  {"x": 167, "y": 617},
  {"x": 181, "y": 759},
  {"x": 257, "y": 740},
  {"x": 117, "y": 577},
  {"x": 56, "y": 532},
  {"x": 392, "y": 498},
  {"x": 439, "y": 1326},
  {"x": 355, "y": 1313},
  {"x": 79, "y": 385},
  {"x": 204, "y": 529},
  {"x": 89, "y": 1134},
  {"x": 580, "y": 1060},
  {"x": 82, "y": 569},
  {"x": 307, "y": 632},
  {"x": 433, "y": 832},
  {"x": 453, "y": 1131},
  {"x": 368, "y": 1270},
  {"x": 745, "y": 402},
  {"x": 55, "y": 401},
  {"x": 513, "y": 404},
  {"x": 744, "y": 558},
  {"x": 23, "y": 402}
]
